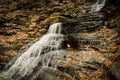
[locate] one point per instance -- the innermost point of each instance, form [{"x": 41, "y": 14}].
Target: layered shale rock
[{"x": 91, "y": 39}]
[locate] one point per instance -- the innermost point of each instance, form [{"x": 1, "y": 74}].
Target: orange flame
[
  {"x": 68, "y": 45},
  {"x": 87, "y": 46}
]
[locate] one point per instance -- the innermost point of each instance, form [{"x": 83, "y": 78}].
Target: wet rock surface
[{"x": 98, "y": 50}]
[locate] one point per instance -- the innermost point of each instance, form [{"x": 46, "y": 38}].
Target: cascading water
[
  {"x": 42, "y": 52},
  {"x": 98, "y": 5},
  {"x": 93, "y": 7}
]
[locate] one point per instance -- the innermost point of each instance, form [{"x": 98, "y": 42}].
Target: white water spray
[
  {"x": 41, "y": 52},
  {"x": 98, "y": 5}
]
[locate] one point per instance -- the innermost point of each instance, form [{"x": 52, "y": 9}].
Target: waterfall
[
  {"x": 98, "y": 5},
  {"x": 55, "y": 28},
  {"x": 41, "y": 52}
]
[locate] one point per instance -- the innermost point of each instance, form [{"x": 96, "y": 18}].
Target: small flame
[
  {"x": 68, "y": 45},
  {"x": 87, "y": 46}
]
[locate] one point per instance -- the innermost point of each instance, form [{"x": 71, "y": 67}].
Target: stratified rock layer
[{"x": 94, "y": 42}]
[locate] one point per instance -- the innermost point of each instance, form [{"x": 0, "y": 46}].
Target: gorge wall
[{"x": 25, "y": 21}]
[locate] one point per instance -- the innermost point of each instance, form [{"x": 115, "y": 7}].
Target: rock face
[
  {"x": 93, "y": 39},
  {"x": 86, "y": 30},
  {"x": 22, "y": 21},
  {"x": 99, "y": 47}
]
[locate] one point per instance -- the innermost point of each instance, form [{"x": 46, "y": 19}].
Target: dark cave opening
[{"x": 71, "y": 43}]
